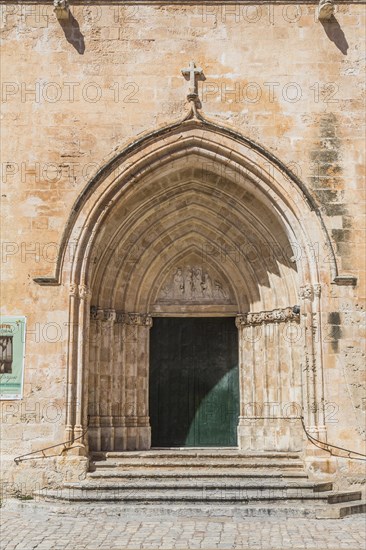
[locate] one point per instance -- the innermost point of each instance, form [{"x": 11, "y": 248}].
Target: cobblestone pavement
[{"x": 66, "y": 529}]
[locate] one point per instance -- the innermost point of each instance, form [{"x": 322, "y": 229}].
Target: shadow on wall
[
  {"x": 335, "y": 34},
  {"x": 73, "y": 33}
]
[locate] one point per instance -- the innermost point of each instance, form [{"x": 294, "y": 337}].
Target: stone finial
[
  {"x": 61, "y": 9},
  {"x": 325, "y": 10}
]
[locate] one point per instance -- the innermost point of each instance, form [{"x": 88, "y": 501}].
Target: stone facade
[{"x": 129, "y": 192}]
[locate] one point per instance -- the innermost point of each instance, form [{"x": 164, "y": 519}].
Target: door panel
[{"x": 194, "y": 387}]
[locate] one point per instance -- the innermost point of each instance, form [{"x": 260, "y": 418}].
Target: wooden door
[{"x": 194, "y": 382}]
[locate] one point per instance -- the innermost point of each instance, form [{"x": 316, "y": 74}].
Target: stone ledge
[{"x": 345, "y": 280}]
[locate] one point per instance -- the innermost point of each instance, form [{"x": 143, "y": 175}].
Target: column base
[
  {"x": 270, "y": 434},
  {"x": 76, "y": 449},
  {"x": 73, "y": 468}
]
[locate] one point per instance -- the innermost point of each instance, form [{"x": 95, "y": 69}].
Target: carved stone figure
[
  {"x": 207, "y": 287},
  {"x": 197, "y": 283},
  {"x": 219, "y": 292},
  {"x": 178, "y": 284},
  {"x": 188, "y": 284},
  {"x": 191, "y": 283}
]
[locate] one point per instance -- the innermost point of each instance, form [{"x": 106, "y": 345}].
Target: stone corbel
[
  {"x": 61, "y": 9},
  {"x": 325, "y": 10}
]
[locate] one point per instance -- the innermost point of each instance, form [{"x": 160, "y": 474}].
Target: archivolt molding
[
  {"x": 187, "y": 219},
  {"x": 287, "y": 194}
]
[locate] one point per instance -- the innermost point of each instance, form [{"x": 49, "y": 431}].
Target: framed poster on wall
[{"x": 12, "y": 351}]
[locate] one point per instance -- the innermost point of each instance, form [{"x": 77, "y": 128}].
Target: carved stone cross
[{"x": 193, "y": 73}]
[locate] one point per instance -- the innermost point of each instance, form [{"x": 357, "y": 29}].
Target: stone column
[
  {"x": 136, "y": 329},
  {"x": 318, "y": 460},
  {"x": 119, "y": 419},
  {"x": 246, "y": 377},
  {"x": 96, "y": 326},
  {"x": 82, "y": 362},
  {"x": 317, "y": 330},
  {"x": 309, "y": 368},
  {"x": 267, "y": 421},
  {"x": 314, "y": 383},
  {"x": 108, "y": 422},
  {"x": 71, "y": 361}
]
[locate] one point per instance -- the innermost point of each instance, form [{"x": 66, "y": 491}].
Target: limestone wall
[{"x": 75, "y": 92}]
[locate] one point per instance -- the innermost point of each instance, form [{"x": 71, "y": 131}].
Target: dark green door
[{"x": 194, "y": 382}]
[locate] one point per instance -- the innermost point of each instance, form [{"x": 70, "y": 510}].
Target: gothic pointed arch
[
  {"x": 217, "y": 146},
  {"x": 193, "y": 219}
]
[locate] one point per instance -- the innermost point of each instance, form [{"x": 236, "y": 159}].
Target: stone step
[
  {"x": 202, "y": 485},
  {"x": 194, "y": 453},
  {"x": 337, "y": 511},
  {"x": 197, "y": 473},
  {"x": 198, "y": 463},
  {"x": 176, "y": 496},
  {"x": 221, "y": 510},
  {"x": 129, "y": 510}
]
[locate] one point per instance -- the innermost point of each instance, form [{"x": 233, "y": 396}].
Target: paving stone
[{"x": 73, "y": 531}]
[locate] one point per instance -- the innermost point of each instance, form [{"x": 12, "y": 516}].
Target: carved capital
[
  {"x": 97, "y": 313},
  {"x": 306, "y": 292},
  {"x": 136, "y": 319},
  {"x": 73, "y": 290},
  {"x": 317, "y": 290},
  {"x": 241, "y": 321},
  {"x": 84, "y": 292},
  {"x": 110, "y": 315},
  {"x": 275, "y": 316}
]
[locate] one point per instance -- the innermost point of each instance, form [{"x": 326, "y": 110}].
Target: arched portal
[{"x": 195, "y": 221}]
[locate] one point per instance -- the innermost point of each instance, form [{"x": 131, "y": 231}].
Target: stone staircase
[{"x": 209, "y": 482}]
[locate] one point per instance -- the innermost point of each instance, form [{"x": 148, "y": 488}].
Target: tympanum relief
[{"x": 193, "y": 284}]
